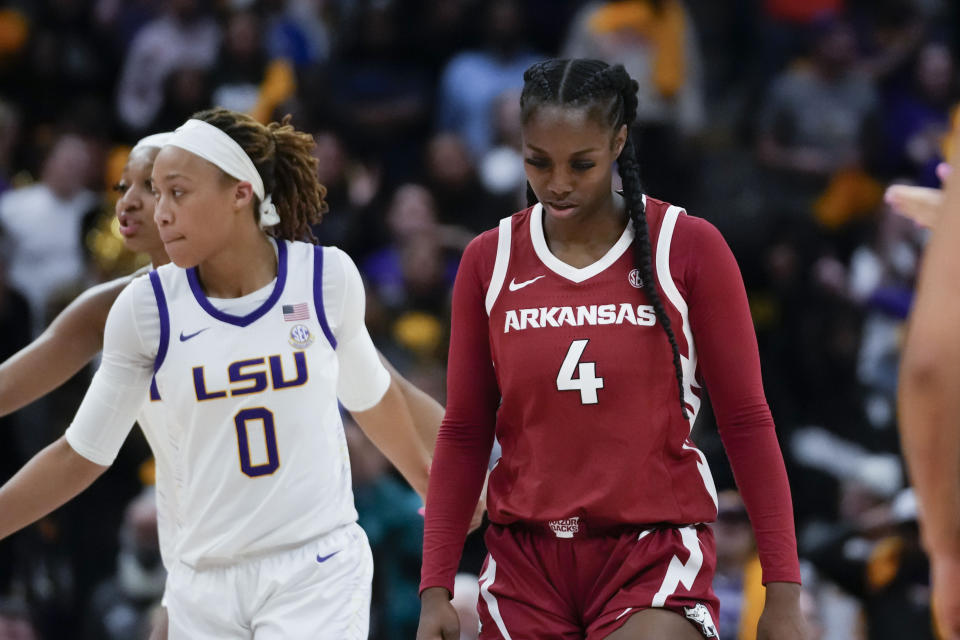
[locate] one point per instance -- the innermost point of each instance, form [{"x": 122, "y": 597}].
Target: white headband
[
  {"x": 215, "y": 146},
  {"x": 154, "y": 141}
]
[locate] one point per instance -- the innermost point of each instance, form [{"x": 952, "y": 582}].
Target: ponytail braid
[{"x": 629, "y": 170}]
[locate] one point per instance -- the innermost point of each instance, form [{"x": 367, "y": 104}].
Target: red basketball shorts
[{"x": 536, "y": 585}]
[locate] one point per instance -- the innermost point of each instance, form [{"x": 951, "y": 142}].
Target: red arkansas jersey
[
  {"x": 570, "y": 369},
  {"x": 590, "y": 420}
]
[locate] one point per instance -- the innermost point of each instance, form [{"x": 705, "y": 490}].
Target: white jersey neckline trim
[{"x": 563, "y": 269}]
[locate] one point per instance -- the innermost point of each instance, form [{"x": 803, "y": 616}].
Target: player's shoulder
[
  {"x": 483, "y": 248},
  {"x": 686, "y": 226}
]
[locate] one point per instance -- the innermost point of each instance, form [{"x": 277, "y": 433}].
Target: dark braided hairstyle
[
  {"x": 282, "y": 156},
  {"x": 610, "y": 95}
]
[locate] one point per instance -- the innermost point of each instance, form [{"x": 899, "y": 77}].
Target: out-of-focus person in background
[
  {"x": 473, "y": 79},
  {"x": 737, "y": 581},
  {"x": 388, "y": 511},
  {"x": 121, "y": 606},
  {"x": 43, "y": 223},
  {"x": 814, "y": 121},
  {"x": 657, "y": 42},
  {"x": 184, "y": 35}
]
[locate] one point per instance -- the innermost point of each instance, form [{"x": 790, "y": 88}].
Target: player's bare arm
[
  {"x": 426, "y": 412},
  {"x": 389, "y": 425},
  {"x": 427, "y": 415},
  {"x": 65, "y": 347},
  {"x": 929, "y": 405},
  {"x": 50, "y": 479}
]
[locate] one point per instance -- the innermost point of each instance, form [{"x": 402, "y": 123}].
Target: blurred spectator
[
  {"x": 183, "y": 36},
  {"x": 737, "y": 581},
  {"x": 241, "y": 64},
  {"x": 784, "y": 28},
  {"x": 442, "y": 30},
  {"x": 64, "y": 56},
  {"x": 120, "y": 607},
  {"x": 466, "y": 592},
  {"x": 245, "y": 78},
  {"x": 501, "y": 168},
  {"x": 461, "y": 197},
  {"x": 43, "y": 223},
  {"x": 332, "y": 166},
  {"x": 297, "y": 31},
  {"x": 374, "y": 92},
  {"x": 388, "y": 513},
  {"x": 472, "y": 80},
  {"x": 916, "y": 116},
  {"x": 413, "y": 272},
  {"x": 875, "y": 555},
  {"x": 15, "y": 623},
  {"x": 814, "y": 120},
  {"x": 186, "y": 90},
  {"x": 657, "y": 43},
  {"x": 882, "y": 278}
]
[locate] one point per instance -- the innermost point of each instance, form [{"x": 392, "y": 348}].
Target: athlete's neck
[
  {"x": 158, "y": 258},
  {"x": 240, "y": 269},
  {"x": 580, "y": 241}
]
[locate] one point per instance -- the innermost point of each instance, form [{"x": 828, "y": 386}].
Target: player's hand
[
  {"x": 945, "y": 575},
  {"x": 781, "y": 618},
  {"x": 438, "y": 618},
  {"x": 920, "y": 204}
]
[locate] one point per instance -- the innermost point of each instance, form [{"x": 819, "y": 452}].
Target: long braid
[
  {"x": 629, "y": 170},
  {"x": 282, "y": 156},
  {"x": 595, "y": 84}
]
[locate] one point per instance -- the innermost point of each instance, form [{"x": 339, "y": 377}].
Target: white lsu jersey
[
  {"x": 152, "y": 421},
  {"x": 257, "y": 458}
]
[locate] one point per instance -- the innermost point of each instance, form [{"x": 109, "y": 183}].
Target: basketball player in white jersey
[
  {"x": 76, "y": 336},
  {"x": 252, "y": 346}
]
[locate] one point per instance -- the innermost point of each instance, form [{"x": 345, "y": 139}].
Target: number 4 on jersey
[{"x": 586, "y": 381}]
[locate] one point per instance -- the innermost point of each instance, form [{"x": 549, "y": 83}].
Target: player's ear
[
  {"x": 619, "y": 140},
  {"x": 242, "y": 194}
]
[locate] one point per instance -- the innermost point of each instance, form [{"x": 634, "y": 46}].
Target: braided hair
[
  {"x": 282, "y": 156},
  {"x": 610, "y": 95}
]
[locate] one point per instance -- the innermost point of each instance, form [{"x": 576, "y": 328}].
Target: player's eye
[
  {"x": 582, "y": 166},
  {"x": 120, "y": 187},
  {"x": 539, "y": 163}
]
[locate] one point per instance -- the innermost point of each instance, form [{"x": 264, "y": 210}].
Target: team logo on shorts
[
  {"x": 565, "y": 528},
  {"x": 635, "y": 280},
  {"x": 701, "y": 615},
  {"x": 300, "y": 337}
]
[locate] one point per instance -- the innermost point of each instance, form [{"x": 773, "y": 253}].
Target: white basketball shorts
[{"x": 319, "y": 590}]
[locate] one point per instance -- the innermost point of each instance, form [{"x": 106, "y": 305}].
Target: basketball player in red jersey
[{"x": 584, "y": 329}]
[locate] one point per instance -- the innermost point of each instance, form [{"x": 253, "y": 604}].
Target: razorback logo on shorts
[
  {"x": 701, "y": 616},
  {"x": 565, "y": 528}
]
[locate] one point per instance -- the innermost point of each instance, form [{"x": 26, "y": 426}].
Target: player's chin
[{"x": 180, "y": 254}]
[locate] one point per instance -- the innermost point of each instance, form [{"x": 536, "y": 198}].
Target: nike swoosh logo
[
  {"x": 184, "y": 338},
  {"x": 514, "y": 285},
  {"x": 325, "y": 558}
]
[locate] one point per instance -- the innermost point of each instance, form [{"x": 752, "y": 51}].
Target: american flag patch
[{"x": 293, "y": 312}]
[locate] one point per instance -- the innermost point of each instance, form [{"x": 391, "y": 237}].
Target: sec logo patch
[{"x": 300, "y": 337}]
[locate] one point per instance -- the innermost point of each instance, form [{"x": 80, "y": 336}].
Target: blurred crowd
[{"x": 780, "y": 121}]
